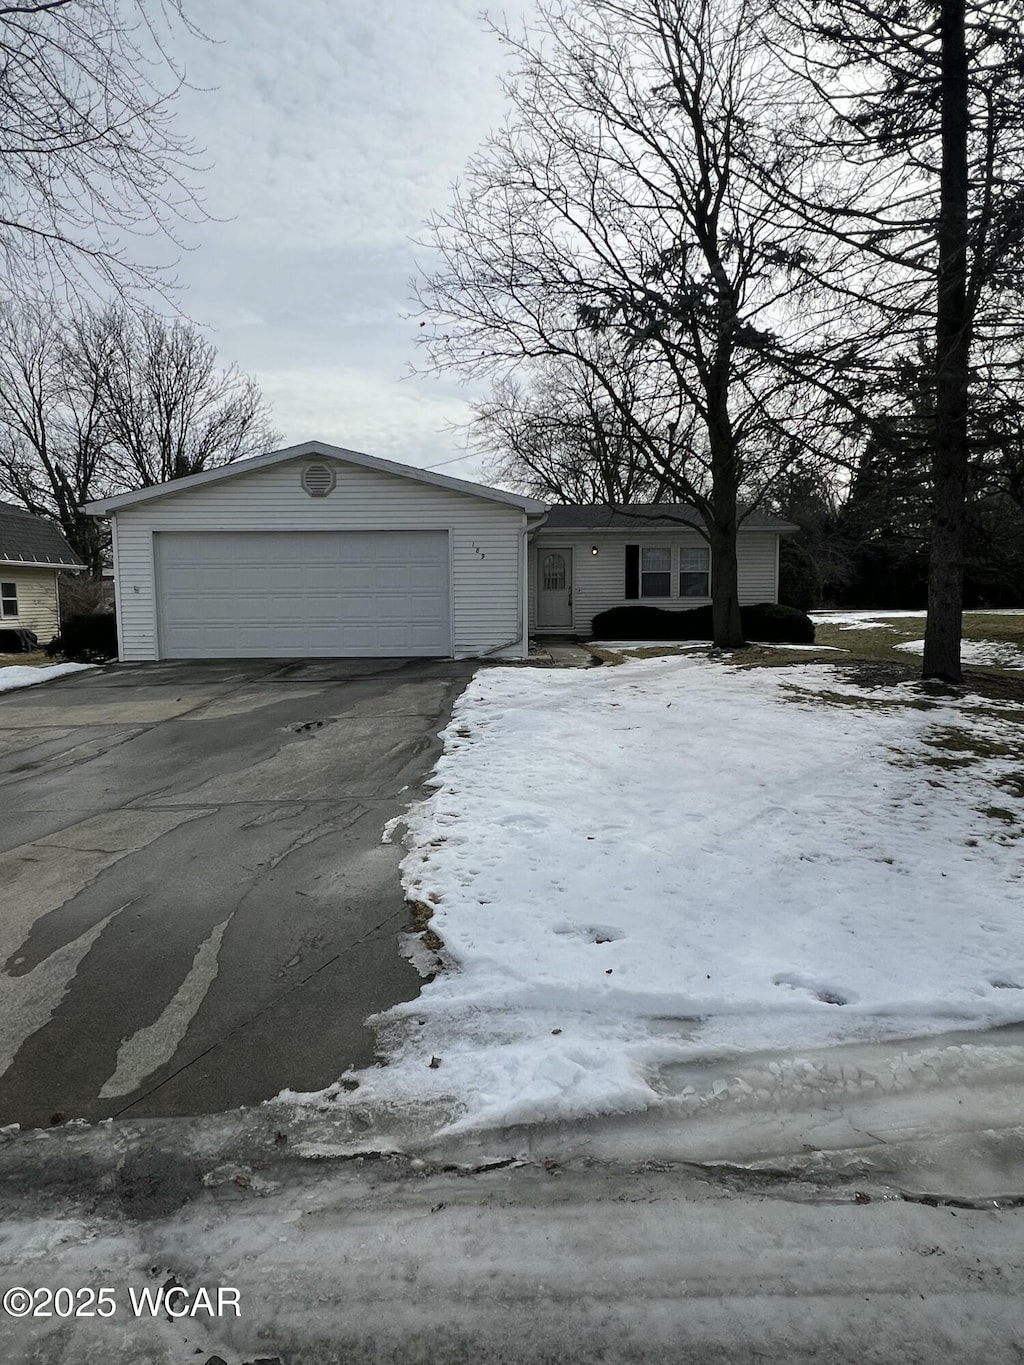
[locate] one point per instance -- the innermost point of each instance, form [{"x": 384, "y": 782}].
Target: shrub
[
  {"x": 86, "y": 639},
  {"x": 765, "y": 621},
  {"x": 19, "y": 641},
  {"x": 773, "y": 622},
  {"x": 652, "y": 623},
  {"x": 81, "y": 595}
]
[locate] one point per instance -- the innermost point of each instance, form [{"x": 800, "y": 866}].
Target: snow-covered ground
[
  {"x": 27, "y": 675},
  {"x": 996, "y": 653},
  {"x": 862, "y": 620},
  {"x": 675, "y": 860},
  {"x": 632, "y": 646}
]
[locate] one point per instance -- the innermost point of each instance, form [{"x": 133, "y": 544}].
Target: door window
[{"x": 553, "y": 573}]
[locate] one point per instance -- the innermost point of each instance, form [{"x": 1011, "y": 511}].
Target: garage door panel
[{"x": 290, "y": 594}]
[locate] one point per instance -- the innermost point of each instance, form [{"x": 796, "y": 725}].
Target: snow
[
  {"x": 555, "y": 1260},
  {"x": 27, "y": 675},
  {"x": 633, "y": 645},
  {"x": 633, "y": 869},
  {"x": 997, "y": 653},
  {"x": 863, "y": 620}
]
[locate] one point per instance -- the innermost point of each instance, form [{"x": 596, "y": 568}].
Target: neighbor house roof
[
  {"x": 30, "y": 540},
  {"x": 314, "y": 450},
  {"x": 636, "y": 516}
]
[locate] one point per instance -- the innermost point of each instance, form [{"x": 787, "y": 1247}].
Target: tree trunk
[
  {"x": 725, "y": 601},
  {"x": 952, "y": 365}
]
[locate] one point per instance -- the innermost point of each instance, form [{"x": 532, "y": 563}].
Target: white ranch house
[{"x": 316, "y": 551}]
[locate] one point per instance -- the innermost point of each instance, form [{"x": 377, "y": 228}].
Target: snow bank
[
  {"x": 675, "y": 859},
  {"x": 27, "y": 675}
]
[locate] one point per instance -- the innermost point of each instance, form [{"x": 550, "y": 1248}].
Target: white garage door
[{"x": 256, "y": 594}]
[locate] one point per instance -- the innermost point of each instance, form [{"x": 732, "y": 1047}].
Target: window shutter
[{"x": 632, "y": 571}]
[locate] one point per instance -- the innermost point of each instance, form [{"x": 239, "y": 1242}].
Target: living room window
[
  {"x": 655, "y": 571},
  {"x": 8, "y": 599},
  {"x": 695, "y": 571}
]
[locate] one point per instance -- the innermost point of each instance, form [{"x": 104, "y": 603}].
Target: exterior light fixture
[{"x": 593, "y": 549}]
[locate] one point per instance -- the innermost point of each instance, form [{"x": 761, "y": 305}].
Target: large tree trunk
[
  {"x": 725, "y": 601},
  {"x": 726, "y": 624},
  {"x": 952, "y": 362}
]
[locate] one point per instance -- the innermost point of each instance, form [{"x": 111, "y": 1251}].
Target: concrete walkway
[{"x": 561, "y": 653}]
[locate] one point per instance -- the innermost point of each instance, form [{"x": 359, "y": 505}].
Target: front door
[{"x": 554, "y": 587}]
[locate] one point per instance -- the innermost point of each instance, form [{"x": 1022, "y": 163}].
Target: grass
[
  {"x": 870, "y": 654},
  {"x": 38, "y": 659},
  {"x": 877, "y": 643},
  {"x": 968, "y": 745}
]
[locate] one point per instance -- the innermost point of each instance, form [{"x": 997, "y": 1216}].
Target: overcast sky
[{"x": 333, "y": 128}]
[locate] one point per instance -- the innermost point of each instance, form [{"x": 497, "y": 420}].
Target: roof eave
[{"x": 40, "y": 563}]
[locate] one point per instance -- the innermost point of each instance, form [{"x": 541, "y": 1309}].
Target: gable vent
[{"x": 318, "y": 480}]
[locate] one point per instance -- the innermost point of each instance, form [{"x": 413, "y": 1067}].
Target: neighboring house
[
  {"x": 32, "y": 553},
  {"x": 316, "y": 551}
]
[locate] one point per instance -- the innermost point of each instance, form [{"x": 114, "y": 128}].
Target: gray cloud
[{"x": 333, "y": 129}]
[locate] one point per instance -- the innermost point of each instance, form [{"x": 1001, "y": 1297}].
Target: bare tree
[
  {"x": 109, "y": 400},
  {"x": 558, "y": 435},
  {"x": 615, "y": 205},
  {"x": 88, "y": 154},
  {"x": 54, "y": 450},
  {"x": 169, "y": 409},
  {"x": 913, "y": 218}
]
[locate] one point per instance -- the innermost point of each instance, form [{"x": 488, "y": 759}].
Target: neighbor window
[
  {"x": 655, "y": 571},
  {"x": 695, "y": 572},
  {"x": 9, "y": 599}
]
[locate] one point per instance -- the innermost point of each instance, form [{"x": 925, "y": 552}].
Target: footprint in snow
[
  {"x": 590, "y": 933},
  {"x": 828, "y": 994}
]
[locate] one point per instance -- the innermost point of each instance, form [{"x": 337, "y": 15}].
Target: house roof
[
  {"x": 320, "y": 449},
  {"x": 635, "y": 516},
  {"x": 31, "y": 540}
]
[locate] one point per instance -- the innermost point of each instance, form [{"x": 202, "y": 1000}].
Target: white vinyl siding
[
  {"x": 36, "y": 597},
  {"x": 600, "y": 580},
  {"x": 485, "y": 539}
]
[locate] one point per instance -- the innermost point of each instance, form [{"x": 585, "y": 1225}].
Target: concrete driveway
[{"x": 197, "y": 908}]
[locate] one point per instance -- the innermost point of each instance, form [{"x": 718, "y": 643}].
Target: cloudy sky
[{"x": 333, "y": 128}]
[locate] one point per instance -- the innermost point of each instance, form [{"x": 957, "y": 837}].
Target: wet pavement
[{"x": 198, "y": 909}]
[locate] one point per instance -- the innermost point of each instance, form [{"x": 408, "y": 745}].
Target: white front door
[
  {"x": 554, "y": 586},
  {"x": 296, "y": 594}
]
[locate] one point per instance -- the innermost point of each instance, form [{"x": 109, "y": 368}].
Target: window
[
  {"x": 553, "y": 573},
  {"x": 9, "y": 599},
  {"x": 695, "y": 572},
  {"x": 655, "y": 571}
]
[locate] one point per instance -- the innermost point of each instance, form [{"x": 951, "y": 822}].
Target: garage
[
  {"x": 248, "y": 594},
  {"x": 316, "y": 551}
]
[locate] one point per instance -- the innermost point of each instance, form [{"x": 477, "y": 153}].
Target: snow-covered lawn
[
  {"x": 27, "y": 675},
  {"x": 998, "y": 653},
  {"x": 676, "y": 859},
  {"x": 863, "y": 620}
]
